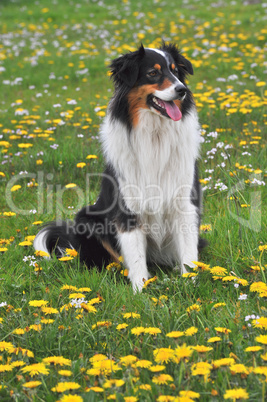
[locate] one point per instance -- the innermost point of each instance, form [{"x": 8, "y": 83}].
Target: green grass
[{"x": 44, "y": 53}]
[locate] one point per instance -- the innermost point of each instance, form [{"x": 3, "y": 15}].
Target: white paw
[{"x": 138, "y": 283}]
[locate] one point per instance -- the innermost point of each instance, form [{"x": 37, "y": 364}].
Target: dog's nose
[{"x": 181, "y": 91}]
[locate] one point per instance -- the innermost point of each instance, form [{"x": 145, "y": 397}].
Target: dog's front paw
[{"x": 138, "y": 283}]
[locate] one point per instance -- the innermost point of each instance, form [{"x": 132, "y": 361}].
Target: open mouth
[{"x": 166, "y": 108}]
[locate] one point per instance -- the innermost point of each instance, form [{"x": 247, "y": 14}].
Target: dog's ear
[
  {"x": 186, "y": 64},
  {"x": 179, "y": 59},
  {"x": 125, "y": 69}
]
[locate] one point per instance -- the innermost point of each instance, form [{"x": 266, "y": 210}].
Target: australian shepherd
[{"x": 149, "y": 206}]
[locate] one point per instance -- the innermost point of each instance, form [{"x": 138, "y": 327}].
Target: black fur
[{"x": 97, "y": 225}]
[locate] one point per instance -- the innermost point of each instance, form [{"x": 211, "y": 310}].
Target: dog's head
[{"x": 153, "y": 79}]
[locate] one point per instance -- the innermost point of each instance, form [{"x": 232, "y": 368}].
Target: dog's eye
[
  {"x": 175, "y": 71},
  {"x": 153, "y": 73}
]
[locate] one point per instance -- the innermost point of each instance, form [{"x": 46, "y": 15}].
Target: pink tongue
[{"x": 173, "y": 111}]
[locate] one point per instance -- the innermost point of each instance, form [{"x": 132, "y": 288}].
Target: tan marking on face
[
  {"x": 157, "y": 66},
  {"x": 166, "y": 84},
  {"x": 178, "y": 103},
  {"x": 173, "y": 66},
  {"x": 113, "y": 254},
  {"x": 137, "y": 100}
]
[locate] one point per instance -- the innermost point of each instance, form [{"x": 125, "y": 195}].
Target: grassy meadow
[{"x": 70, "y": 334}]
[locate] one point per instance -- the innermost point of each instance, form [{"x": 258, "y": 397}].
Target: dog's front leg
[
  {"x": 186, "y": 241},
  {"x": 133, "y": 249}
]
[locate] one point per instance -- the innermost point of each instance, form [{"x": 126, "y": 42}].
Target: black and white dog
[{"x": 148, "y": 210}]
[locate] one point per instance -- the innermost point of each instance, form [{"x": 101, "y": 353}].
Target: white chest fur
[{"x": 155, "y": 163}]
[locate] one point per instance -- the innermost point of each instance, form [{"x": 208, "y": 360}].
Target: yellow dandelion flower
[
  {"x": 253, "y": 349},
  {"x": 81, "y": 165},
  {"x": 190, "y": 331},
  {"x": 201, "y": 266},
  {"x": 47, "y": 321},
  {"x": 71, "y": 252},
  {"x": 131, "y": 315},
  {"x": 18, "y": 363},
  {"x": 137, "y": 331},
  {"x": 175, "y": 334},
  {"x": 15, "y": 187},
  {"x": 162, "y": 379},
  {"x": 119, "y": 327},
  {"x": 23, "y": 352},
  {"x": 239, "y": 369},
  {"x": 206, "y": 227},
  {"x": 57, "y": 360},
  {"x": 71, "y": 398},
  {"x": 201, "y": 368},
  {"x": 70, "y": 185},
  {"x": 182, "y": 352},
  {"x": 32, "y": 384},
  {"x": 194, "y": 307},
  {"x": 163, "y": 355},
  {"x": 238, "y": 393},
  {"x": 258, "y": 287},
  {"x": 19, "y": 331},
  {"x": 128, "y": 360},
  {"x": 202, "y": 348},
  {"x": 65, "y": 386},
  {"x": 102, "y": 324},
  {"x": 38, "y": 303},
  {"x": 145, "y": 387},
  {"x": 229, "y": 278},
  {"x": 152, "y": 331},
  {"x": 222, "y": 330},
  {"x": 157, "y": 368},
  {"x": 68, "y": 287},
  {"x": 143, "y": 364},
  {"x": 98, "y": 357},
  {"x": 34, "y": 369},
  {"x": 65, "y": 373},
  {"x": 151, "y": 280},
  {"x": 5, "y": 367},
  {"x": 214, "y": 339},
  {"x": 166, "y": 398},
  {"x": 226, "y": 361},
  {"x": 95, "y": 389},
  {"x": 189, "y": 275},
  {"x": 218, "y": 271},
  {"x": 113, "y": 382},
  {"x": 92, "y": 157},
  {"x": 86, "y": 289},
  {"x": 106, "y": 367},
  {"x": 76, "y": 296},
  {"x": 40, "y": 253},
  {"x": 65, "y": 258},
  {"x": 260, "y": 323},
  {"x": 260, "y": 84},
  {"x": 261, "y": 339},
  {"x": 260, "y": 370},
  {"x": 189, "y": 394},
  {"x": 6, "y": 346},
  {"x": 49, "y": 310}
]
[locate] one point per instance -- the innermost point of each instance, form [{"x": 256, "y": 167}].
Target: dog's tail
[{"x": 56, "y": 237}]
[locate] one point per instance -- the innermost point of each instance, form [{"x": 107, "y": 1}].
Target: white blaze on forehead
[
  {"x": 157, "y": 51},
  {"x": 163, "y": 54}
]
